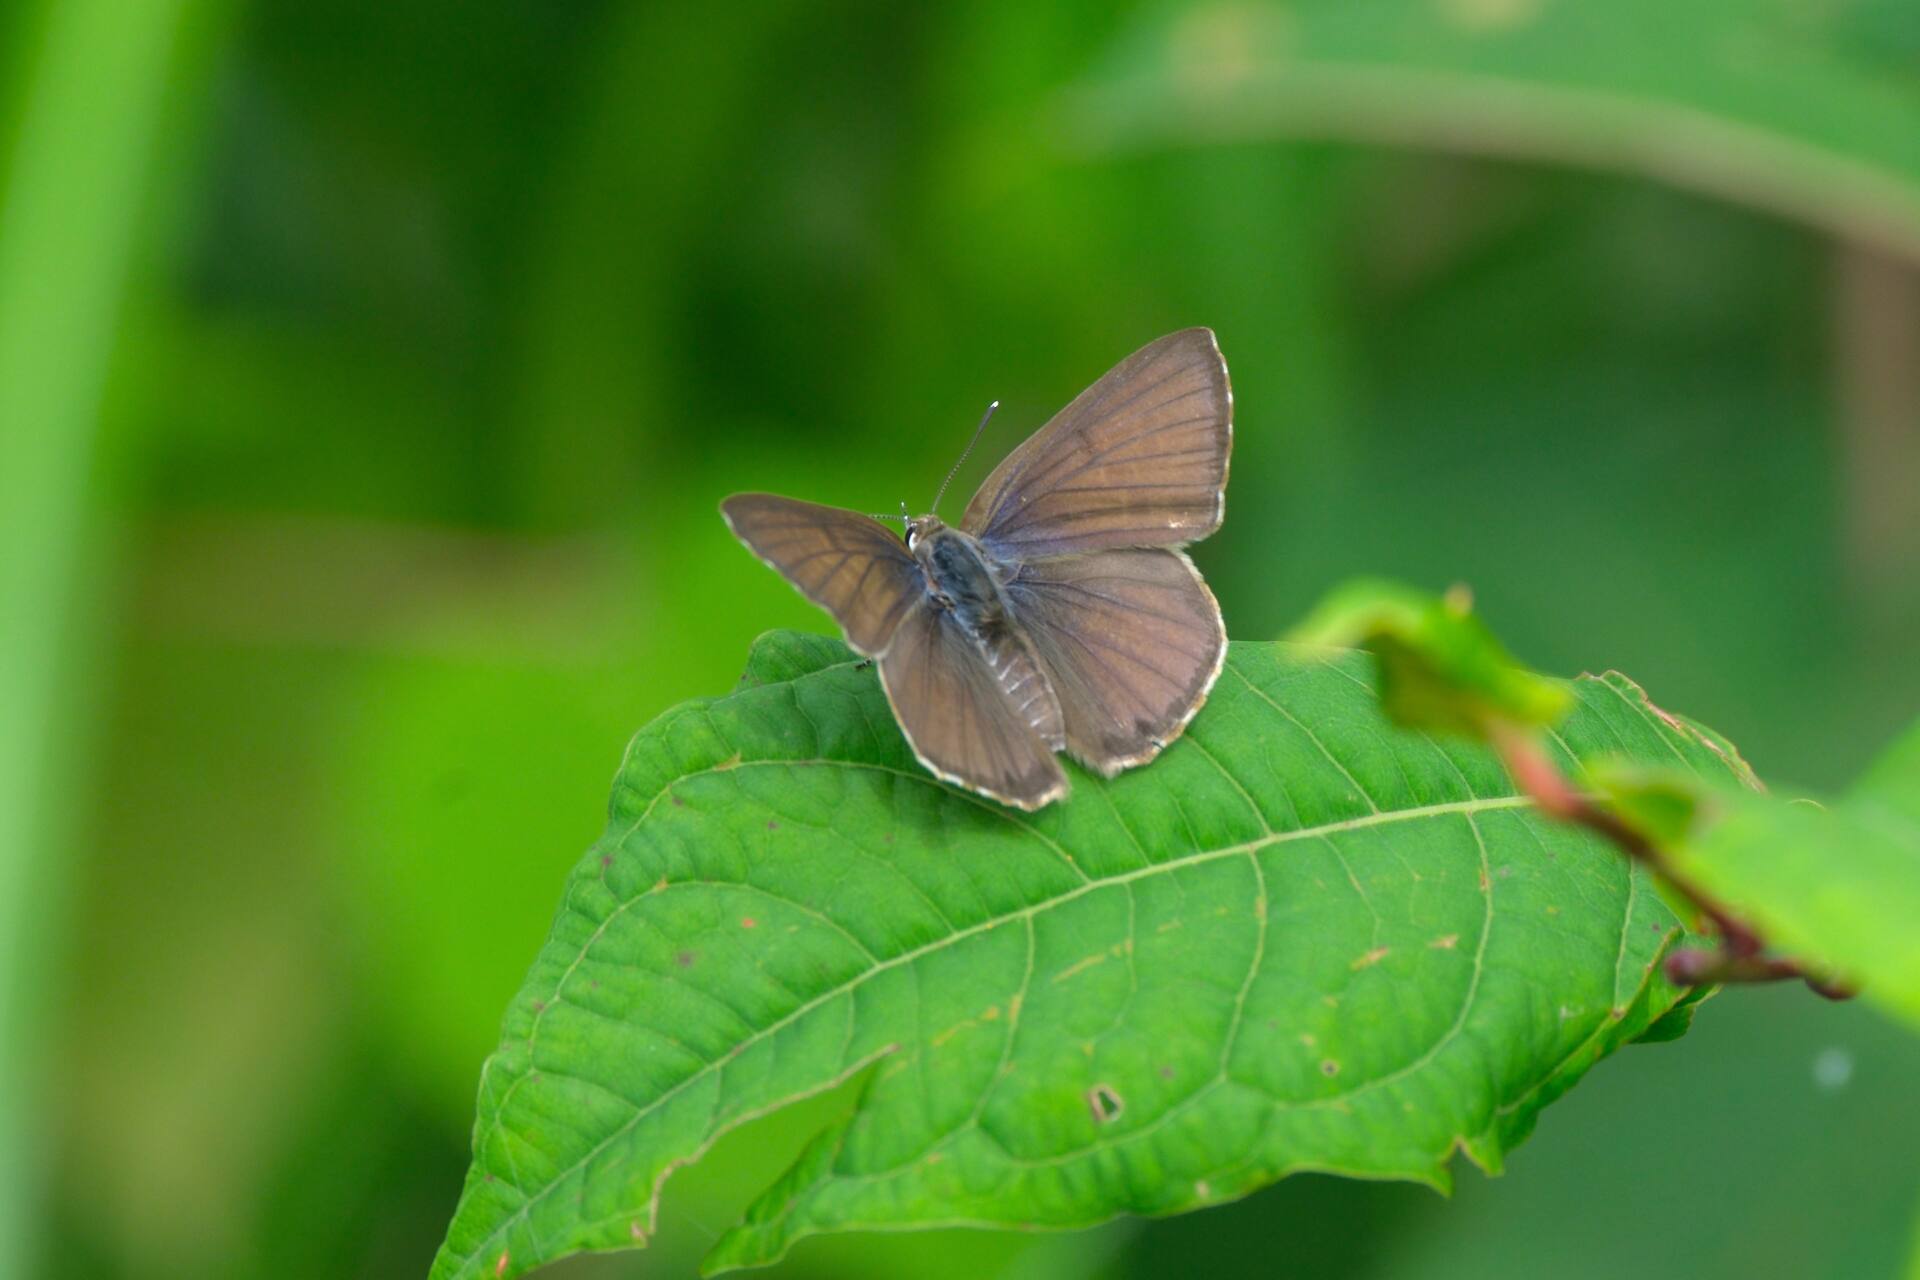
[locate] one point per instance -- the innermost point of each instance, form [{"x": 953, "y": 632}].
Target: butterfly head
[{"x": 920, "y": 527}]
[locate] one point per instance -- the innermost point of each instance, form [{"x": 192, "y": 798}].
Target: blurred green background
[{"x": 369, "y": 374}]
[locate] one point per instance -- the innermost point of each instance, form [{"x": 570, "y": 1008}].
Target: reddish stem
[{"x": 1741, "y": 958}]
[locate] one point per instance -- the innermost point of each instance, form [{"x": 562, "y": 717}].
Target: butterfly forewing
[
  {"x": 849, "y": 565},
  {"x": 959, "y": 717},
  {"x": 1130, "y": 642},
  {"x": 1138, "y": 459}
]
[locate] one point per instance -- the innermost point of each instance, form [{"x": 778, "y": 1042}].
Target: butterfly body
[
  {"x": 1061, "y": 613},
  {"x": 960, "y": 573},
  {"x": 966, "y": 592}
]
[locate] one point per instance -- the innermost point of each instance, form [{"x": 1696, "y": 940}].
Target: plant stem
[{"x": 1741, "y": 957}]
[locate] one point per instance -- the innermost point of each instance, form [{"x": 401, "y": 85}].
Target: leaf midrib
[{"x": 1088, "y": 885}]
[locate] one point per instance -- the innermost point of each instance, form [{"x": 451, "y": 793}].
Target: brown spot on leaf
[
  {"x": 539, "y": 1006},
  {"x": 952, "y": 1031},
  {"x": 606, "y": 860},
  {"x": 1445, "y": 942},
  {"x": 731, "y": 762},
  {"x": 1166, "y": 1073},
  {"x": 772, "y": 825},
  {"x": 1079, "y": 967},
  {"x": 1202, "y": 1190},
  {"x": 1105, "y": 1103},
  {"x": 678, "y": 803},
  {"x": 636, "y": 1231},
  {"x": 748, "y": 922},
  {"x": 1672, "y": 721},
  {"x": 1372, "y": 958},
  {"x": 1328, "y": 1067},
  {"x": 500, "y": 1263},
  {"x": 685, "y": 959}
]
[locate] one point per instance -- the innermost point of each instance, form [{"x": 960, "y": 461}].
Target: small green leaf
[
  {"x": 1836, "y": 886},
  {"x": 1892, "y": 782},
  {"x": 1440, "y": 667},
  {"x": 1301, "y": 939}
]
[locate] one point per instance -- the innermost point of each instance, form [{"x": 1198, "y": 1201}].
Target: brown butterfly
[{"x": 1061, "y": 613}]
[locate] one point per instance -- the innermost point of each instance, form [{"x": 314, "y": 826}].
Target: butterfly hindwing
[
  {"x": 961, "y": 718},
  {"x": 1130, "y": 641}
]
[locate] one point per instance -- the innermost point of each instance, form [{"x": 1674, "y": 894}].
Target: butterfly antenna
[{"x": 961, "y": 460}]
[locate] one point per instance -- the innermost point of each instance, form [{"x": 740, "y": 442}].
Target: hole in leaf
[
  {"x": 699, "y": 1200},
  {"x": 1105, "y": 1103}
]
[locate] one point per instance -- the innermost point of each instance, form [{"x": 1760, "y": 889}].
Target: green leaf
[
  {"x": 1836, "y": 886},
  {"x": 1811, "y": 111},
  {"x": 1301, "y": 939},
  {"x": 1440, "y": 667},
  {"x": 788, "y": 655}
]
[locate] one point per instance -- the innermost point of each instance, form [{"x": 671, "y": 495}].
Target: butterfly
[{"x": 1061, "y": 613}]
